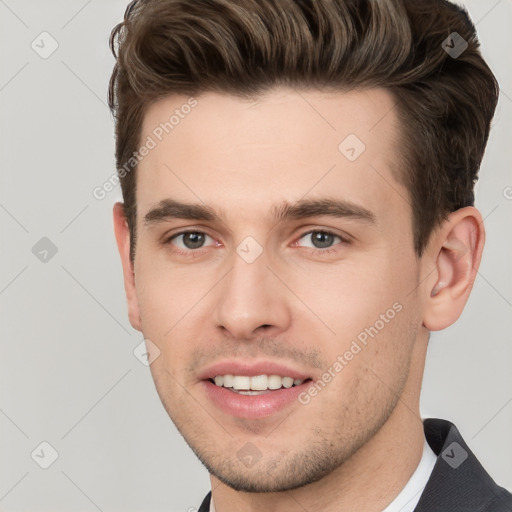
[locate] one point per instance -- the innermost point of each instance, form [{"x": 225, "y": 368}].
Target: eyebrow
[{"x": 169, "y": 209}]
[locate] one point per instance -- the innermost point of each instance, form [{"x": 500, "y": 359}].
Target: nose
[{"x": 251, "y": 301}]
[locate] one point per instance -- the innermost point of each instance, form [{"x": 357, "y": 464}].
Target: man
[{"x": 298, "y": 216}]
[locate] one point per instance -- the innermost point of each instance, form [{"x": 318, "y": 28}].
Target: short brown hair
[{"x": 445, "y": 102}]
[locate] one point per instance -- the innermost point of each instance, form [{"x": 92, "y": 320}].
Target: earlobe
[
  {"x": 456, "y": 249},
  {"x": 123, "y": 244}
]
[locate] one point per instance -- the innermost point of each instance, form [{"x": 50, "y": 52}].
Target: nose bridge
[{"x": 250, "y": 295}]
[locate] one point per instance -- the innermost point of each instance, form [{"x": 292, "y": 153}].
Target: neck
[{"x": 369, "y": 480}]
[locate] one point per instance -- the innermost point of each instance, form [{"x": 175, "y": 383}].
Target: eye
[
  {"x": 320, "y": 239},
  {"x": 189, "y": 240}
]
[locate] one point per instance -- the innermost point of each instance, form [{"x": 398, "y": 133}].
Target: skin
[{"x": 355, "y": 444}]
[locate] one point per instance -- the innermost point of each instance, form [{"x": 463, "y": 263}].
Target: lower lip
[{"x": 252, "y": 406}]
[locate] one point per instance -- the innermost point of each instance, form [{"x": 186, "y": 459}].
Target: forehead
[{"x": 251, "y": 155}]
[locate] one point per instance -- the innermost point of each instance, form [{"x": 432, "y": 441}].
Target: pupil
[
  {"x": 322, "y": 240},
  {"x": 193, "y": 240}
]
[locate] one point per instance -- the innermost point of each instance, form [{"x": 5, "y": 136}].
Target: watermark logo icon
[
  {"x": 249, "y": 455},
  {"x": 44, "y": 455},
  {"x": 44, "y": 250},
  {"x": 351, "y": 147},
  {"x": 146, "y": 352},
  {"x": 454, "y": 455},
  {"x": 454, "y": 45},
  {"x": 249, "y": 249},
  {"x": 44, "y": 45}
]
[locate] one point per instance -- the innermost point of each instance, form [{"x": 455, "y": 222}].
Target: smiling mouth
[{"x": 256, "y": 385}]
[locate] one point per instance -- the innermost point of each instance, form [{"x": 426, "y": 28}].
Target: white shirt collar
[{"x": 409, "y": 496}]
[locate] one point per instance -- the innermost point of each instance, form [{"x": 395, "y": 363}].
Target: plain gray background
[{"x": 69, "y": 375}]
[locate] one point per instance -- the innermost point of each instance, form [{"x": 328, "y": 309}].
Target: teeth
[
  {"x": 275, "y": 382},
  {"x": 240, "y": 382},
  {"x": 257, "y": 383},
  {"x": 243, "y": 392},
  {"x": 228, "y": 381},
  {"x": 287, "y": 382}
]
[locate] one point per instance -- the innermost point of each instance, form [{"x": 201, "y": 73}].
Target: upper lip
[{"x": 251, "y": 369}]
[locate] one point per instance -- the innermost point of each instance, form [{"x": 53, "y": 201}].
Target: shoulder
[{"x": 458, "y": 482}]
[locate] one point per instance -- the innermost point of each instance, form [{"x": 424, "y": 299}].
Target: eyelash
[{"x": 313, "y": 251}]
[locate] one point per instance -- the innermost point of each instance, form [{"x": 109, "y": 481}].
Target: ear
[
  {"x": 123, "y": 244},
  {"x": 456, "y": 250}
]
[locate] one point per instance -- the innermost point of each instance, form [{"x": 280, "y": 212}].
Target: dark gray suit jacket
[{"x": 458, "y": 482}]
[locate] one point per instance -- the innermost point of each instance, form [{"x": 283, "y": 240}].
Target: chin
[{"x": 278, "y": 473}]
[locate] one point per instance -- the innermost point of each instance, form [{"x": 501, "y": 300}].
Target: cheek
[
  {"x": 168, "y": 294},
  {"x": 351, "y": 296},
  {"x": 367, "y": 369},
  {"x": 366, "y": 318}
]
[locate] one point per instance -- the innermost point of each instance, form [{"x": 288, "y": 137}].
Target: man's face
[{"x": 265, "y": 289}]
